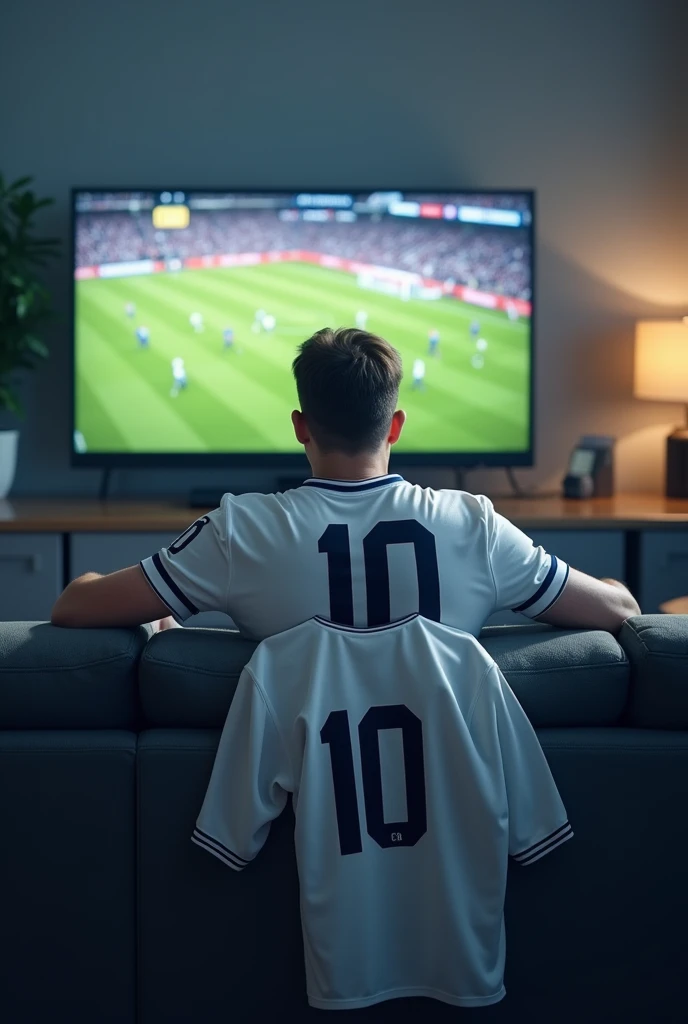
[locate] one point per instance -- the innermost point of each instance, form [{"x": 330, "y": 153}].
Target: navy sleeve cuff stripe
[
  {"x": 156, "y": 589},
  {"x": 549, "y": 842},
  {"x": 563, "y": 584},
  {"x": 547, "y": 849},
  {"x": 542, "y": 589},
  {"x": 552, "y": 835},
  {"x": 217, "y": 853},
  {"x": 167, "y": 579},
  {"x": 221, "y": 846}
]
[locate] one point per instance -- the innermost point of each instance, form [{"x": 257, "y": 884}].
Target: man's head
[{"x": 348, "y": 385}]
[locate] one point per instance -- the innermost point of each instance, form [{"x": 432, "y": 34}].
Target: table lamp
[{"x": 661, "y": 375}]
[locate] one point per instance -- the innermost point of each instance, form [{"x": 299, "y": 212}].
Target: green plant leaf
[
  {"x": 19, "y": 184},
  {"x": 9, "y": 400},
  {"x": 36, "y": 346},
  {"x": 25, "y": 303}
]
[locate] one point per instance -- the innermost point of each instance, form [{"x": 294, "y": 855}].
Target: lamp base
[{"x": 677, "y": 464}]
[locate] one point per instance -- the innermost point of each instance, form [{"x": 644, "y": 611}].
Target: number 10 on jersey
[{"x": 337, "y": 734}]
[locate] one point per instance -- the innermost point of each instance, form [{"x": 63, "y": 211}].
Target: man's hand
[{"x": 169, "y": 622}]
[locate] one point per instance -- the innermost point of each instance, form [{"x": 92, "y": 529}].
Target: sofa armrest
[
  {"x": 54, "y": 678},
  {"x": 657, "y": 650}
]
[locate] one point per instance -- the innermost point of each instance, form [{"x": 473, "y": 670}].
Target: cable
[
  {"x": 104, "y": 485},
  {"x": 522, "y": 494}
]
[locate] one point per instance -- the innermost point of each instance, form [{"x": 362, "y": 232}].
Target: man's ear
[
  {"x": 300, "y": 427},
  {"x": 396, "y": 426}
]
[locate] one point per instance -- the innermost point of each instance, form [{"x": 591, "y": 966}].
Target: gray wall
[{"x": 582, "y": 101}]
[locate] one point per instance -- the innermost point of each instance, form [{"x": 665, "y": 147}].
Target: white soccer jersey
[
  {"x": 360, "y": 553},
  {"x": 415, "y": 773},
  {"x": 363, "y": 553}
]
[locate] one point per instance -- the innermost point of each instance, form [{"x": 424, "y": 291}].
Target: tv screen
[{"x": 189, "y": 307}]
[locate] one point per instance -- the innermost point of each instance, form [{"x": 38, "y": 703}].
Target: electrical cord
[{"x": 521, "y": 493}]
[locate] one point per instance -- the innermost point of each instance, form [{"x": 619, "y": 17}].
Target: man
[
  {"x": 228, "y": 338},
  {"x": 418, "y": 375},
  {"x": 354, "y": 544},
  {"x": 142, "y": 336},
  {"x": 433, "y": 342},
  {"x": 179, "y": 380}
]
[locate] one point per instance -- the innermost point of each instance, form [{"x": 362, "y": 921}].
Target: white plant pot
[{"x": 8, "y": 460}]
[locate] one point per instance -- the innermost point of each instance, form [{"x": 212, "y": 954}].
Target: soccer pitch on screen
[{"x": 238, "y": 397}]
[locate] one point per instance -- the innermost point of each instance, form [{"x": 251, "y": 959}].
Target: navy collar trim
[
  {"x": 364, "y": 629},
  {"x": 354, "y": 485}
]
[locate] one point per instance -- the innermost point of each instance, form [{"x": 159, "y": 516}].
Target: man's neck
[{"x": 350, "y": 467}]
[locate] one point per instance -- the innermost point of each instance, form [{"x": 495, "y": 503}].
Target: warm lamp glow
[{"x": 661, "y": 360}]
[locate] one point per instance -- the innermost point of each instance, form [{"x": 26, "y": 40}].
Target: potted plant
[{"x": 24, "y": 305}]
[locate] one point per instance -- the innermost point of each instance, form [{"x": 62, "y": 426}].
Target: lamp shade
[{"x": 661, "y": 360}]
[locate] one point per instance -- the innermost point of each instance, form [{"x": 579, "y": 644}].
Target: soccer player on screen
[
  {"x": 142, "y": 336},
  {"x": 269, "y": 323},
  {"x": 228, "y": 338},
  {"x": 474, "y": 329},
  {"x": 361, "y": 319},
  {"x": 272, "y": 561},
  {"x": 257, "y": 325},
  {"x": 130, "y": 310},
  {"x": 179, "y": 380},
  {"x": 433, "y": 343},
  {"x": 196, "y": 321},
  {"x": 418, "y": 375}
]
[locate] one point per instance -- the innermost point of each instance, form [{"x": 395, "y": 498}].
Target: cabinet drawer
[
  {"x": 107, "y": 552},
  {"x": 663, "y": 567},
  {"x": 595, "y": 552},
  {"x": 30, "y": 574}
]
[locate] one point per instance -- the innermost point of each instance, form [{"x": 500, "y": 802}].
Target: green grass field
[{"x": 240, "y": 400}]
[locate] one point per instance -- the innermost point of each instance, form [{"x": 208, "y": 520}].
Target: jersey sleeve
[
  {"x": 192, "y": 574},
  {"x": 537, "y": 817},
  {"x": 526, "y": 578},
  {"x": 249, "y": 782}
]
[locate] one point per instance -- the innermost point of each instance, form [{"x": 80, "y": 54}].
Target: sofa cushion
[
  {"x": 657, "y": 649},
  {"x": 187, "y": 678},
  {"x": 561, "y": 677},
  {"x": 53, "y": 678}
]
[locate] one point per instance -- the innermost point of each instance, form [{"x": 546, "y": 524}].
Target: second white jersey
[
  {"x": 415, "y": 773},
  {"x": 358, "y": 553}
]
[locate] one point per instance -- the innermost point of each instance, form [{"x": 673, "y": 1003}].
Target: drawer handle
[{"x": 34, "y": 562}]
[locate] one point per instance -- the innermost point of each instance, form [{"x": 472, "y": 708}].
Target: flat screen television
[{"x": 189, "y": 305}]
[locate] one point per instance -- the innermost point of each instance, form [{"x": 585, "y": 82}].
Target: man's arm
[
  {"x": 589, "y": 603},
  {"x": 123, "y": 598}
]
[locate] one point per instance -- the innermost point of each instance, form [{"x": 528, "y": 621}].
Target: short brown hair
[{"x": 348, "y": 384}]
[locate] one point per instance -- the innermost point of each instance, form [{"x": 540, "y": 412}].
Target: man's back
[
  {"x": 359, "y": 553},
  {"x": 354, "y": 544},
  {"x": 415, "y": 774}
]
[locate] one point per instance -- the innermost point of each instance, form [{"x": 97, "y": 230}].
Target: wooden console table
[{"x": 44, "y": 542}]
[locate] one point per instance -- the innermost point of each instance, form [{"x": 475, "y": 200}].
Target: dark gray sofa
[{"x": 110, "y": 915}]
